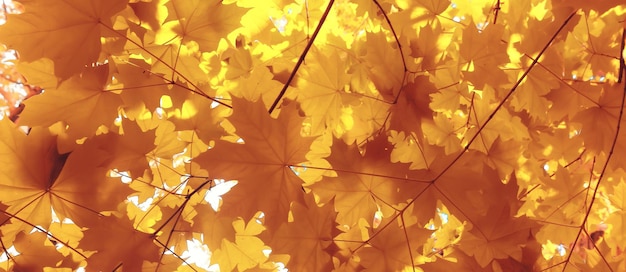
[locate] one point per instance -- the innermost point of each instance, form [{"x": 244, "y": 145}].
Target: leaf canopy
[{"x": 312, "y": 135}]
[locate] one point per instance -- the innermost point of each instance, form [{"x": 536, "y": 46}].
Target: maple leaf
[
  {"x": 38, "y": 253},
  {"x": 412, "y": 105},
  {"x": 564, "y": 189},
  {"x": 531, "y": 94},
  {"x": 39, "y": 73},
  {"x": 308, "y": 238},
  {"x": 407, "y": 150},
  {"x": 82, "y": 101},
  {"x": 502, "y": 124},
  {"x": 483, "y": 51},
  {"x": 59, "y": 181},
  {"x": 447, "y": 135},
  {"x": 117, "y": 244},
  {"x": 600, "y": 6},
  {"x": 387, "y": 70},
  {"x": 216, "y": 227},
  {"x": 247, "y": 250},
  {"x": 174, "y": 62},
  {"x": 572, "y": 96},
  {"x": 599, "y": 122},
  {"x": 365, "y": 183},
  {"x": 270, "y": 148},
  {"x": 143, "y": 90},
  {"x": 558, "y": 19},
  {"x": 500, "y": 231},
  {"x": 428, "y": 48},
  {"x": 213, "y": 21},
  {"x": 504, "y": 156},
  {"x": 197, "y": 115},
  {"x": 617, "y": 232},
  {"x": 178, "y": 238},
  {"x": 495, "y": 232},
  {"x": 393, "y": 248},
  {"x": 128, "y": 149},
  {"x": 67, "y": 31},
  {"x": 259, "y": 84},
  {"x": 323, "y": 92},
  {"x": 442, "y": 132},
  {"x": 448, "y": 99}
]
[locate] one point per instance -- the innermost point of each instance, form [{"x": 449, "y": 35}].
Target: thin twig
[
  {"x": 48, "y": 233},
  {"x": 182, "y": 206},
  {"x": 195, "y": 89}
]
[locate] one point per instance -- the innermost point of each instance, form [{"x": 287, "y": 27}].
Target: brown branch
[
  {"x": 167, "y": 241},
  {"x": 363, "y": 174},
  {"x": 395, "y": 36},
  {"x": 302, "y": 56},
  {"x": 175, "y": 255},
  {"x": 408, "y": 243},
  {"x": 622, "y": 65},
  {"x": 608, "y": 159},
  {"x": 393, "y": 31},
  {"x": 506, "y": 97},
  {"x": 552, "y": 175},
  {"x": 496, "y": 10},
  {"x": 182, "y": 206}
]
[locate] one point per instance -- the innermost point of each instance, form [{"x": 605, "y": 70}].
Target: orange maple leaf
[
  {"x": 118, "y": 244},
  {"x": 67, "y": 32},
  {"x": 262, "y": 163},
  {"x": 74, "y": 185},
  {"x": 38, "y": 253},
  {"x": 82, "y": 101},
  {"x": 308, "y": 238},
  {"x": 394, "y": 248},
  {"x": 366, "y": 183}
]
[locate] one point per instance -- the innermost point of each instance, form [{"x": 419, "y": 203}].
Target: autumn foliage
[{"x": 310, "y": 135}]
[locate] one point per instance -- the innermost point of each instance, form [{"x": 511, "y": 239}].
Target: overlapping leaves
[{"x": 407, "y": 135}]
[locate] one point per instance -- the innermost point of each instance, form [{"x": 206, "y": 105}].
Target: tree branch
[{"x": 302, "y": 56}]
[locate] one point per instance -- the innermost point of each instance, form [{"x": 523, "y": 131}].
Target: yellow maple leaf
[
  {"x": 246, "y": 251},
  {"x": 206, "y": 27}
]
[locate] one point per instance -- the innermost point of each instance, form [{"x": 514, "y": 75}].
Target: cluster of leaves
[
  {"x": 13, "y": 89},
  {"x": 314, "y": 135}
]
